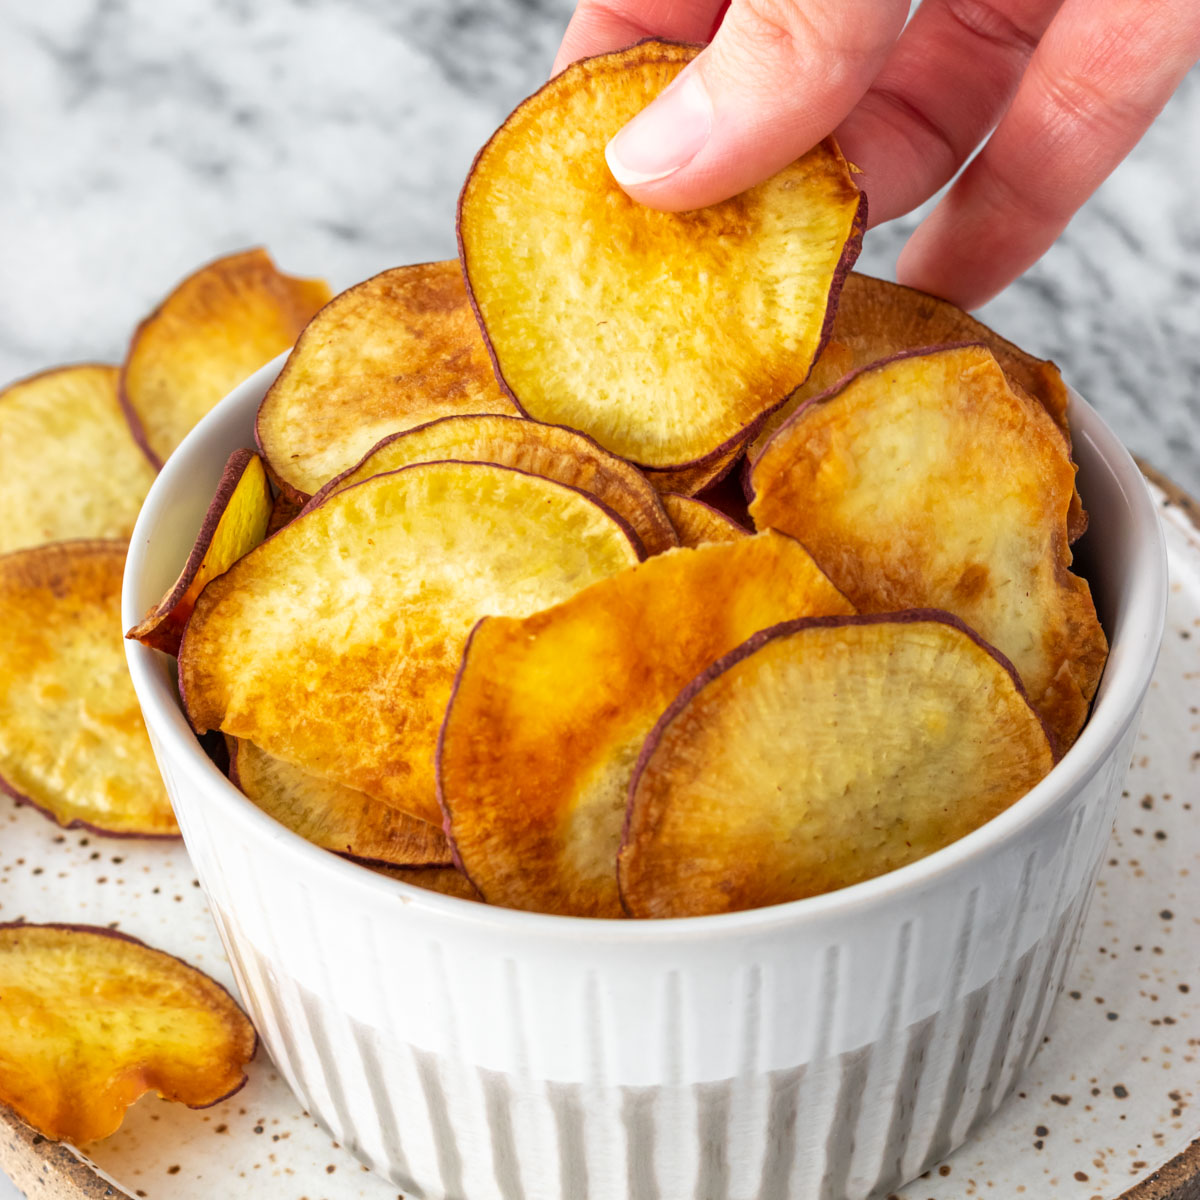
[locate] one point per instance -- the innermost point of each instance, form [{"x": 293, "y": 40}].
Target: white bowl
[{"x": 832, "y": 1047}]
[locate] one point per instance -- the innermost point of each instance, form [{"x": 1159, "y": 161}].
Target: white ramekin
[{"x": 829, "y": 1048}]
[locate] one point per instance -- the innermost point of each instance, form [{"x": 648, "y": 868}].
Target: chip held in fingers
[
  {"x": 216, "y": 328},
  {"x": 928, "y": 481},
  {"x": 664, "y": 336},
  {"x": 334, "y": 645},
  {"x": 550, "y": 711},
  {"x": 72, "y": 740},
  {"x": 334, "y": 817},
  {"x": 236, "y": 521},
  {"x": 822, "y": 753},
  {"x": 395, "y": 351},
  {"x": 92, "y": 1019}
]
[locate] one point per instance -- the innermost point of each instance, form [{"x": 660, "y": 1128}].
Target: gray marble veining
[{"x": 140, "y": 138}]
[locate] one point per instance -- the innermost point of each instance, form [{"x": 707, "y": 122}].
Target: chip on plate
[
  {"x": 664, "y": 336},
  {"x": 334, "y": 817},
  {"x": 216, "y": 328},
  {"x": 821, "y": 753},
  {"x": 549, "y": 711},
  {"x": 71, "y": 466},
  {"x": 928, "y": 481},
  {"x": 72, "y": 740},
  {"x": 398, "y": 350},
  {"x": 236, "y": 521},
  {"x": 547, "y": 450},
  {"x": 697, "y": 523},
  {"x": 92, "y": 1019},
  {"x": 334, "y": 645}
]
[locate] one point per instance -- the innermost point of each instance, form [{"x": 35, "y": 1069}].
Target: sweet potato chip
[
  {"x": 929, "y": 481},
  {"x": 218, "y": 326},
  {"x": 697, "y": 523},
  {"x": 549, "y": 711},
  {"x": 72, "y": 740},
  {"x": 396, "y": 351},
  {"x": 689, "y": 481},
  {"x": 821, "y": 753},
  {"x": 71, "y": 467},
  {"x": 235, "y": 523},
  {"x": 547, "y": 450},
  {"x": 665, "y": 336},
  {"x": 447, "y": 880},
  {"x": 334, "y": 645},
  {"x": 334, "y": 817},
  {"x": 92, "y": 1019}
]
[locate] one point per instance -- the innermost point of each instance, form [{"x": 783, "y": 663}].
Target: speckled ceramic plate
[{"x": 1108, "y": 1109}]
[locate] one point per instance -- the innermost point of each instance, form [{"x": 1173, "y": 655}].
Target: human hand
[{"x": 1066, "y": 87}]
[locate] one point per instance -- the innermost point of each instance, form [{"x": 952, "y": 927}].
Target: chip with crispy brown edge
[
  {"x": 547, "y": 450},
  {"x": 690, "y": 481},
  {"x": 447, "y": 880},
  {"x": 549, "y": 712},
  {"x": 216, "y": 328},
  {"x": 399, "y": 350},
  {"x": 697, "y": 523},
  {"x": 665, "y": 336},
  {"x": 71, "y": 467},
  {"x": 927, "y": 480},
  {"x": 72, "y": 740},
  {"x": 334, "y": 645},
  {"x": 92, "y": 1019},
  {"x": 235, "y": 523},
  {"x": 334, "y": 817},
  {"x": 821, "y": 753}
]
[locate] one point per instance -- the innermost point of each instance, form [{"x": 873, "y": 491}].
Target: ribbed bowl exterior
[{"x": 825, "y": 1050}]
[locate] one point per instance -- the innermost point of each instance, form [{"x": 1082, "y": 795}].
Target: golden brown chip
[
  {"x": 216, "y": 328},
  {"x": 689, "y": 481},
  {"x": 821, "y": 753},
  {"x": 547, "y": 450},
  {"x": 72, "y": 740},
  {"x": 334, "y": 817},
  {"x": 929, "y": 481},
  {"x": 446, "y": 880},
  {"x": 235, "y": 523},
  {"x": 396, "y": 351},
  {"x": 698, "y": 523},
  {"x": 665, "y": 336},
  {"x": 334, "y": 645},
  {"x": 92, "y": 1019},
  {"x": 549, "y": 712},
  {"x": 71, "y": 469}
]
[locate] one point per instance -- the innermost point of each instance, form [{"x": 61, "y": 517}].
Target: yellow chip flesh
[
  {"x": 547, "y": 450},
  {"x": 334, "y": 645},
  {"x": 550, "y": 711},
  {"x": 820, "y": 754},
  {"x": 334, "y": 817},
  {"x": 664, "y": 336},
  {"x": 72, "y": 740},
  {"x": 92, "y": 1019},
  {"x": 396, "y": 351},
  {"x": 71, "y": 466},
  {"x": 216, "y": 328},
  {"x": 236, "y": 521},
  {"x": 928, "y": 481},
  {"x": 698, "y": 523}
]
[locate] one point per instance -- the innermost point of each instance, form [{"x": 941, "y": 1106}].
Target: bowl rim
[{"x": 1112, "y": 714}]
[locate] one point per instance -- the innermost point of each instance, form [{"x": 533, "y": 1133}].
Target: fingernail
[{"x": 665, "y": 136}]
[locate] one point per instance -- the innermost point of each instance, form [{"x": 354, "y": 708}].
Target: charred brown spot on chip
[
  {"x": 549, "y": 711},
  {"x": 92, "y": 1019},
  {"x": 72, "y": 740},
  {"x": 396, "y": 351},
  {"x": 236, "y": 521},
  {"x": 665, "y": 336},
  {"x": 71, "y": 466},
  {"x": 216, "y": 328},
  {"x": 334, "y": 645},
  {"x": 928, "y": 480},
  {"x": 822, "y": 753}
]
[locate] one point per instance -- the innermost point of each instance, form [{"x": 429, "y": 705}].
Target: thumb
[{"x": 778, "y": 77}]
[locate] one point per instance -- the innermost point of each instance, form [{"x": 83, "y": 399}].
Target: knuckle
[{"x": 987, "y": 21}]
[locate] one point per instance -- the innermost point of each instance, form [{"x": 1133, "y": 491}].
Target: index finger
[{"x": 602, "y": 25}]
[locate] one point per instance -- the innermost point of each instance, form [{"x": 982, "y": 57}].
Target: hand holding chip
[{"x": 1064, "y": 89}]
